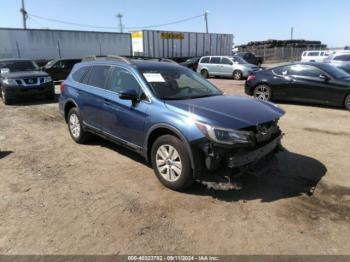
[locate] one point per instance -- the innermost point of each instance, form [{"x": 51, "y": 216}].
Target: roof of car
[
  {"x": 14, "y": 59},
  {"x": 140, "y": 64}
]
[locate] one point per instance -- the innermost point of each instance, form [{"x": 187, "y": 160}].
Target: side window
[
  {"x": 282, "y": 70},
  {"x": 226, "y": 61},
  {"x": 305, "y": 70},
  {"x": 205, "y": 60},
  {"x": 215, "y": 60},
  {"x": 122, "y": 79},
  {"x": 313, "y": 54},
  {"x": 80, "y": 73},
  {"x": 98, "y": 76}
]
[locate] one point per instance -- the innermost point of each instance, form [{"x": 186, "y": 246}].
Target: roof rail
[{"x": 107, "y": 57}]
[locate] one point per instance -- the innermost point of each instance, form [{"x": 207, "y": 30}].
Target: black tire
[
  {"x": 237, "y": 75},
  {"x": 4, "y": 98},
  {"x": 185, "y": 178},
  {"x": 204, "y": 73},
  {"x": 263, "y": 92},
  {"x": 347, "y": 102},
  {"x": 81, "y": 136}
]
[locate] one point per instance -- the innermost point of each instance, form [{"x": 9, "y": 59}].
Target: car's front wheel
[
  {"x": 347, "y": 102},
  {"x": 171, "y": 162},
  {"x": 75, "y": 126},
  {"x": 262, "y": 92},
  {"x": 237, "y": 75},
  {"x": 4, "y": 97}
]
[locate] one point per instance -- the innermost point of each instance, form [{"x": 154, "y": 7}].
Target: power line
[{"x": 111, "y": 27}]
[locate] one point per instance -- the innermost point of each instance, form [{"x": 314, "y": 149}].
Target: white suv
[{"x": 314, "y": 56}]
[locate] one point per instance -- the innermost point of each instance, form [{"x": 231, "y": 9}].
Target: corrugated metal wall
[
  {"x": 48, "y": 44},
  {"x": 192, "y": 44}
]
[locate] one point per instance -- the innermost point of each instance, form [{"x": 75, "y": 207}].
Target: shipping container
[
  {"x": 174, "y": 45},
  {"x": 49, "y": 44}
]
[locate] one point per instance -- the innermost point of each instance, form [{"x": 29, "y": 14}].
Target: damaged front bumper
[{"x": 224, "y": 164}]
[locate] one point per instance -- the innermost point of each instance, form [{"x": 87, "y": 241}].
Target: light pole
[
  {"x": 24, "y": 15},
  {"x": 120, "y": 16},
  {"x": 206, "y": 20}
]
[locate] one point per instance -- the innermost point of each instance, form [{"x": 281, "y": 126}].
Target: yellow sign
[
  {"x": 136, "y": 34},
  {"x": 172, "y": 36}
]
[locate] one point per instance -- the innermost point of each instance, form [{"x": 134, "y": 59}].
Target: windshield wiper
[{"x": 192, "y": 97}]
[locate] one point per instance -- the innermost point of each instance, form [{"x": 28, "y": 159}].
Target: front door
[{"x": 125, "y": 119}]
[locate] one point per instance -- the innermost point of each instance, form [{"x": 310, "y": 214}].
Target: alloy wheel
[
  {"x": 74, "y": 125},
  {"x": 262, "y": 92},
  {"x": 168, "y": 163}
]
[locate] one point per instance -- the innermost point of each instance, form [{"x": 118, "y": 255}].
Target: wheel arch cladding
[
  {"x": 161, "y": 130},
  {"x": 68, "y": 106}
]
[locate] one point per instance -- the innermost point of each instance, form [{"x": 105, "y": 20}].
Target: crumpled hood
[
  {"x": 234, "y": 112},
  {"x": 16, "y": 75}
]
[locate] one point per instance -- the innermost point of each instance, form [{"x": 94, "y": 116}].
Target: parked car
[
  {"x": 174, "y": 118},
  {"x": 20, "y": 78},
  {"x": 340, "y": 59},
  {"x": 191, "y": 63},
  {"x": 306, "y": 82},
  {"x": 227, "y": 66},
  {"x": 314, "y": 55},
  {"x": 59, "y": 69},
  {"x": 250, "y": 58}
]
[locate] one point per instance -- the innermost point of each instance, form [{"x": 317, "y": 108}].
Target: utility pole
[
  {"x": 291, "y": 33},
  {"x": 24, "y": 15},
  {"x": 120, "y": 16},
  {"x": 206, "y": 20}
]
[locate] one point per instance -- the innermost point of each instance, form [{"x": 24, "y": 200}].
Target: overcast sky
[{"x": 248, "y": 20}]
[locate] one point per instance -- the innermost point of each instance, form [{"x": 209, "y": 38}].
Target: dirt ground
[{"x": 58, "y": 197}]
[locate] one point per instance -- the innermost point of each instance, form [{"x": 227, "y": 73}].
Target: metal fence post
[
  {"x": 59, "y": 48},
  {"x": 18, "y": 51}
]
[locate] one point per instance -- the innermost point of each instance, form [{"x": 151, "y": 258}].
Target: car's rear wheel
[
  {"x": 4, "y": 98},
  {"x": 171, "y": 162},
  {"x": 75, "y": 126},
  {"x": 347, "y": 102},
  {"x": 262, "y": 92},
  {"x": 204, "y": 73},
  {"x": 237, "y": 75}
]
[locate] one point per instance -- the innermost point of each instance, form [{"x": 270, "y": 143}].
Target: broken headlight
[{"x": 224, "y": 135}]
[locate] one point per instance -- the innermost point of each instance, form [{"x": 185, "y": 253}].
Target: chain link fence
[{"x": 279, "y": 54}]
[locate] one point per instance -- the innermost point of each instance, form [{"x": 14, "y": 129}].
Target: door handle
[{"x": 107, "y": 102}]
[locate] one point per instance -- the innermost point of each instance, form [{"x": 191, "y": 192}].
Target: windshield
[
  {"x": 178, "y": 83},
  {"x": 336, "y": 72},
  {"x": 50, "y": 63},
  {"x": 19, "y": 66},
  {"x": 238, "y": 59}
]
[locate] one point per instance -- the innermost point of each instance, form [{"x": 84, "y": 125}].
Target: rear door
[{"x": 93, "y": 96}]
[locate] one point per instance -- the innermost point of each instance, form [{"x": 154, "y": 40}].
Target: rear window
[
  {"x": 98, "y": 76},
  {"x": 205, "y": 60},
  {"x": 79, "y": 74}
]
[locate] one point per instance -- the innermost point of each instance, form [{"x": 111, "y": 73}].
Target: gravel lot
[{"x": 58, "y": 197}]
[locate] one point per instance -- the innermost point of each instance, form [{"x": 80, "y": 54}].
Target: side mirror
[
  {"x": 324, "y": 77},
  {"x": 129, "y": 94}
]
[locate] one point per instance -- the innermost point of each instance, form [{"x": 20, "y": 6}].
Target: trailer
[
  {"x": 176, "y": 45},
  {"x": 49, "y": 44}
]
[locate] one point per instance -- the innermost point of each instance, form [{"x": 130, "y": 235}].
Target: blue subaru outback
[{"x": 170, "y": 115}]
